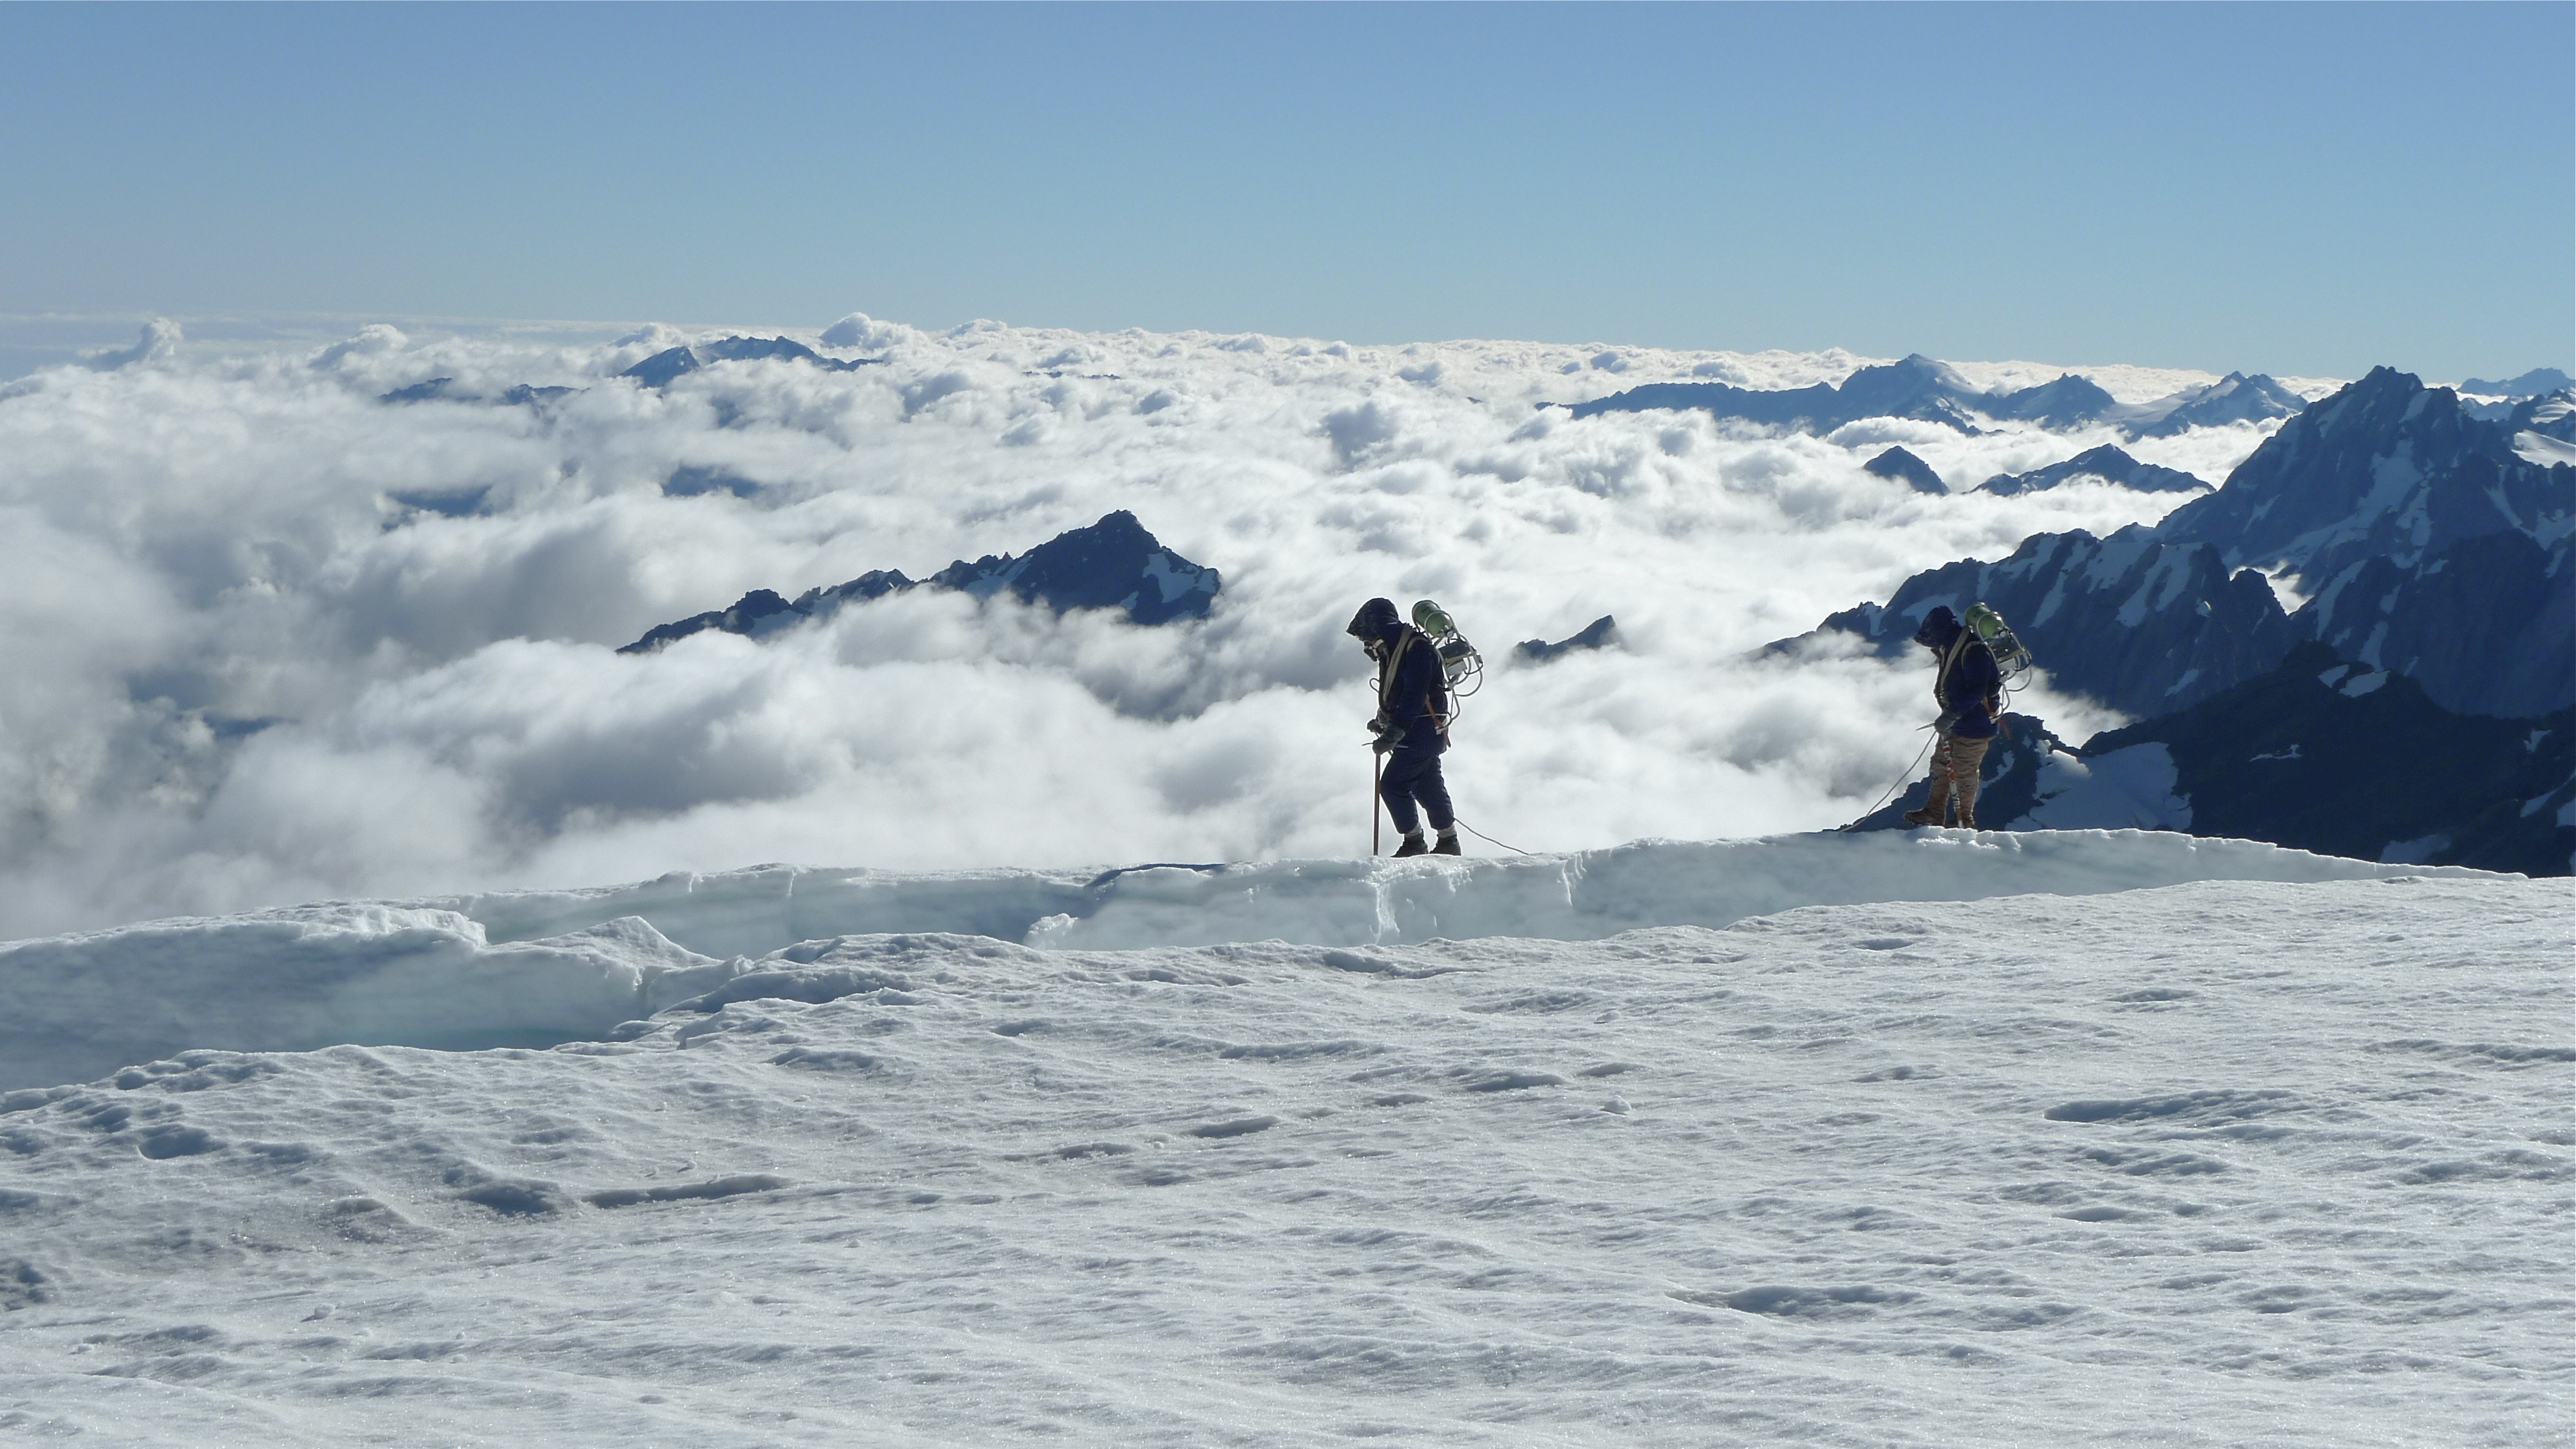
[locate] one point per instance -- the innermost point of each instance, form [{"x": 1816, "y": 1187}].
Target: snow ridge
[{"x": 536, "y": 967}]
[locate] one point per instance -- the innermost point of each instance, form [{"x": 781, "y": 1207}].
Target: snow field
[
  {"x": 2216, "y": 1163},
  {"x": 533, "y": 968}
]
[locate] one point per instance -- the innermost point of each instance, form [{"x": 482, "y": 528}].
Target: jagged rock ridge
[
  {"x": 1114, "y": 563},
  {"x": 1601, "y": 633},
  {"x": 1927, "y": 390},
  {"x": 2107, "y": 462}
]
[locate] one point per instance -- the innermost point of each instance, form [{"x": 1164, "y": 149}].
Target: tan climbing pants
[{"x": 1955, "y": 763}]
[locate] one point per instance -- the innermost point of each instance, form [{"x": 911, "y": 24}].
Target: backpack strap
[
  {"x": 1950, "y": 657},
  {"x": 1386, "y": 670}
]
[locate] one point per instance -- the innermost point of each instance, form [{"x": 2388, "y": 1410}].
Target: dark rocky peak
[
  {"x": 2107, "y": 462},
  {"x": 1601, "y": 633},
  {"x": 2538, "y": 382},
  {"x": 1112, "y": 564},
  {"x": 670, "y": 364},
  {"x": 1906, "y": 468},
  {"x": 2386, "y": 466},
  {"x": 2234, "y": 398}
]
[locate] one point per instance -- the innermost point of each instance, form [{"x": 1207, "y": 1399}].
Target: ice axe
[{"x": 1377, "y": 782}]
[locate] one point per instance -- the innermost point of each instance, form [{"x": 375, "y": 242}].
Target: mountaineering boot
[
  {"x": 1413, "y": 845},
  {"x": 1925, "y": 816},
  {"x": 1448, "y": 843}
]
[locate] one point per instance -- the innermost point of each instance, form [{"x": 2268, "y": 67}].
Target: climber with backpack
[
  {"x": 1411, "y": 728},
  {"x": 1967, "y": 685}
]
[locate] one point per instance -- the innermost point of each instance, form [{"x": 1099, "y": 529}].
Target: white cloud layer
[{"x": 265, "y": 638}]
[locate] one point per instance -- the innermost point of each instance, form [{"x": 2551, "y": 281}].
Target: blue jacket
[{"x": 1965, "y": 680}]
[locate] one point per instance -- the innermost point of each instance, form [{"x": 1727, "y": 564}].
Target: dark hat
[
  {"x": 1939, "y": 628},
  {"x": 1375, "y": 619}
]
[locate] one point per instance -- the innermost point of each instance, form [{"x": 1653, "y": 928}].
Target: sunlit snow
[{"x": 2215, "y": 1163}]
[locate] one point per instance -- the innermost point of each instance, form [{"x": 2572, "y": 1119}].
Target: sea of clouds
[{"x": 266, "y": 638}]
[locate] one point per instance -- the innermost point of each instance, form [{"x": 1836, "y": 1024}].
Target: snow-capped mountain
[
  {"x": 1112, "y": 564},
  {"x": 2424, "y": 541},
  {"x": 2234, "y": 398},
  {"x": 2384, "y": 468},
  {"x": 1926, "y": 390}
]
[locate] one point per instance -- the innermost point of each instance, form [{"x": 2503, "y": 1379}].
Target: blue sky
[{"x": 2296, "y": 189}]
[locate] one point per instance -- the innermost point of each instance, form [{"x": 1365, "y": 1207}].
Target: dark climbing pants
[{"x": 1414, "y": 774}]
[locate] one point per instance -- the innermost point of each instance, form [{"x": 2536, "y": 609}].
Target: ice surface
[
  {"x": 540, "y": 967},
  {"x": 2220, "y": 1163}
]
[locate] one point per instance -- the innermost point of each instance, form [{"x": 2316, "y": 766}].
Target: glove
[
  {"x": 1384, "y": 735},
  {"x": 1948, "y": 719}
]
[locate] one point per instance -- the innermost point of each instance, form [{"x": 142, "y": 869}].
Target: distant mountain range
[
  {"x": 2320, "y": 753},
  {"x": 2422, "y": 540},
  {"x": 1112, "y": 564},
  {"x": 2534, "y": 383},
  {"x": 1927, "y": 390},
  {"x": 657, "y": 371}
]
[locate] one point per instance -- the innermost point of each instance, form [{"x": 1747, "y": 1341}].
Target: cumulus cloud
[
  {"x": 160, "y": 341},
  {"x": 264, "y": 637}
]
